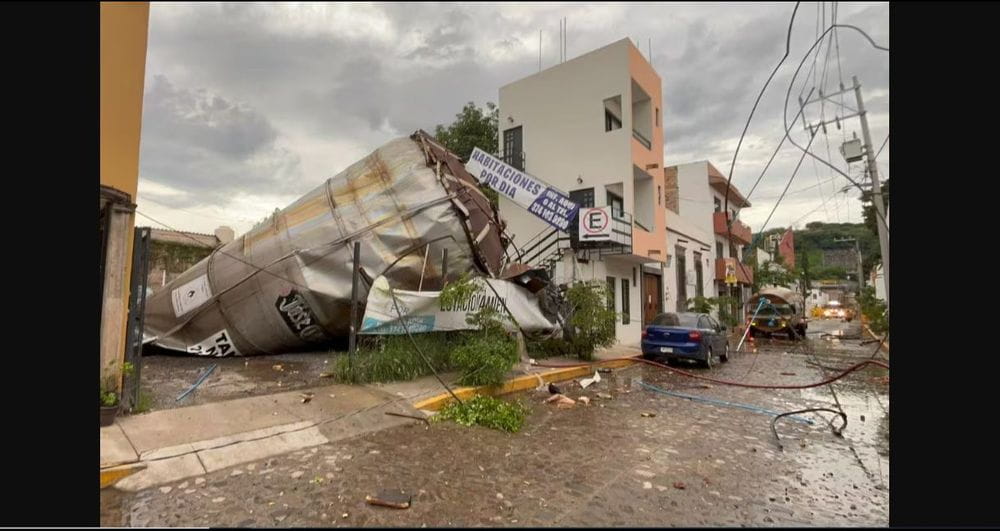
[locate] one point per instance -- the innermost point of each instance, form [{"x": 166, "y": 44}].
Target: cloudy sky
[{"x": 248, "y": 106}]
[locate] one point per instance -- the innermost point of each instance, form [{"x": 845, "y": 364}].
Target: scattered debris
[
  {"x": 679, "y": 485},
  {"x": 605, "y": 396},
  {"x": 552, "y": 398},
  {"x": 862, "y": 418},
  {"x": 278, "y": 368},
  {"x": 197, "y": 383},
  {"x": 306, "y": 397},
  {"x": 583, "y": 400},
  {"x": 604, "y": 370},
  {"x": 647, "y": 485},
  {"x": 788, "y": 374},
  {"x": 326, "y": 375},
  {"x": 407, "y": 416},
  {"x": 565, "y": 402},
  {"x": 587, "y": 382},
  {"x": 648, "y": 414},
  {"x": 395, "y": 499},
  {"x": 553, "y": 389}
]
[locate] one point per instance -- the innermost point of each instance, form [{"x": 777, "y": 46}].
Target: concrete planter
[{"x": 108, "y": 415}]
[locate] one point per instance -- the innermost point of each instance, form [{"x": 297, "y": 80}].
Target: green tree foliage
[
  {"x": 818, "y": 236},
  {"x": 473, "y": 127},
  {"x": 591, "y": 324}
]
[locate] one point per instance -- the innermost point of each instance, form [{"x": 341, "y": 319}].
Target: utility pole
[
  {"x": 883, "y": 228},
  {"x": 869, "y": 153}
]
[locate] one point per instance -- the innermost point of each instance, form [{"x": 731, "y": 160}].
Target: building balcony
[
  {"x": 642, "y": 139},
  {"x": 744, "y": 275},
  {"x": 740, "y": 231}
]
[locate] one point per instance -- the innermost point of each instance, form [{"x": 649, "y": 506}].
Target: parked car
[
  {"x": 834, "y": 310},
  {"x": 685, "y": 335}
]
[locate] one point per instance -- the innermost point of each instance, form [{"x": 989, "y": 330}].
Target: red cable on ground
[{"x": 723, "y": 382}]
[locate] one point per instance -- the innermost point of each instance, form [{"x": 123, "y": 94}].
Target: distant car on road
[
  {"x": 834, "y": 310},
  {"x": 685, "y": 335}
]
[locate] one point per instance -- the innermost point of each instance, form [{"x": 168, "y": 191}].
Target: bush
[
  {"x": 483, "y": 356},
  {"x": 875, "y": 310},
  {"x": 591, "y": 324},
  {"x": 485, "y": 411}
]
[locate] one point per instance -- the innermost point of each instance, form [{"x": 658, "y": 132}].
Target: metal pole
[
  {"x": 354, "y": 307},
  {"x": 883, "y": 229},
  {"x": 444, "y": 267}
]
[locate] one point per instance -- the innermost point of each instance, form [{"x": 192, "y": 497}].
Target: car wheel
[
  {"x": 725, "y": 355},
  {"x": 709, "y": 362}
]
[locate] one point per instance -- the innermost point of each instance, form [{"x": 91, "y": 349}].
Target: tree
[
  {"x": 868, "y": 206},
  {"x": 472, "y": 128}
]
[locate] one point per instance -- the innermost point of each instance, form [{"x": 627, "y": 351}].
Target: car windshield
[
  {"x": 688, "y": 320},
  {"x": 769, "y": 309}
]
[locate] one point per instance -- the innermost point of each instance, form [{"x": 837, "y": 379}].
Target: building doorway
[{"x": 652, "y": 291}]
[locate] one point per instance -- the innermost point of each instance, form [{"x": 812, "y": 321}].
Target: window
[
  {"x": 718, "y": 205},
  {"x": 718, "y": 250},
  {"x": 611, "y": 293},
  {"x": 513, "y": 147},
  {"x": 613, "y": 113},
  {"x": 617, "y": 204},
  {"x": 714, "y": 323},
  {"x": 584, "y": 197},
  {"x": 666, "y": 319},
  {"x": 626, "y": 318}
]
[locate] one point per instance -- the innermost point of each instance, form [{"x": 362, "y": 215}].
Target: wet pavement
[{"x": 605, "y": 464}]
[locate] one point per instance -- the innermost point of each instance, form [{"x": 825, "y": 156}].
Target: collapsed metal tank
[{"x": 286, "y": 285}]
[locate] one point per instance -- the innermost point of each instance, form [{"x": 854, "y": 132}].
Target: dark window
[
  {"x": 666, "y": 319},
  {"x": 699, "y": 291},
  {"x": 611, "y": 122},
  {"x": 688, "y": 320},
  {"x": 616, "y": 203},
  {"x": 626, "y": 318},
  {"x": 611, "y": 293},
  {"x": 718, "y": 205},
  {"x": 584, "y": 197},
  {"x": 513, "y": 147},
  {"x": 634, "y": 280},
  {"x": 718, "y": 250},
  {"x": 612, "y": 113}
]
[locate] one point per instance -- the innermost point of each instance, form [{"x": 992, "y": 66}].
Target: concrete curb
[{"x": 520, "y": 383}]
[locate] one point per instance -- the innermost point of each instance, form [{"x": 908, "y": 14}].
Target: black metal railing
[{"x": 642, "y": 140}]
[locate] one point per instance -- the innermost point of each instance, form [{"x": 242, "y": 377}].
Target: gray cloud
[
  {"x": 358, "y": 75},
  {"x": 208, "y": 147}
]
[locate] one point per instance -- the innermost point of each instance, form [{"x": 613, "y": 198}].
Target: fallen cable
[
  {"x": 836, "y": 431},
  {"x": 748, "y": 407},
  {"x": 722, "y": 382},
  {"x": 197, "y": 383}
]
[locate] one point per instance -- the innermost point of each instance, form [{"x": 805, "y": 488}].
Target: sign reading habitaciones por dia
[{"x": 537, "y": 197}]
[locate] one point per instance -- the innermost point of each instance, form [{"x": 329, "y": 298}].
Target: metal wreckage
[{"x": 419, "y": 219}]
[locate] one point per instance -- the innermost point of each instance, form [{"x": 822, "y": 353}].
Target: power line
[
  {"x": 788, "y": 94},
  {"x": 883, "y": 146}
]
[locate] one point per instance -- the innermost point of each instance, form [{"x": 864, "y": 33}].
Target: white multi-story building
[
  {"x": 696, "y": 196},
  {"x": 591, "y": 126}
]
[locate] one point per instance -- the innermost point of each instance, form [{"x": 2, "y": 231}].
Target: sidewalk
[{"x": 187, "y": 442}]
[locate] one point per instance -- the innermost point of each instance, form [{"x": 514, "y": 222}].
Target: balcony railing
[
  {"x": 740, "y": 231},
  {"x": 744, "y": 273},
  {"x": 642, "y": 140}
]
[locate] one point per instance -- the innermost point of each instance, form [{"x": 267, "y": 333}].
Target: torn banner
[
  {"x": 423, "y": 311},
  {"x": 286, "y": 285}
]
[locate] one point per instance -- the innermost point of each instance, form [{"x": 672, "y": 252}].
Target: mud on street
[{"x": 693, "y": 463}]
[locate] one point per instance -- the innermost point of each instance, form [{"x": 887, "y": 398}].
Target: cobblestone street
[{"x": 692, "y": 464}]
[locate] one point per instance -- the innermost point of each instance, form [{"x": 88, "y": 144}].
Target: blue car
[{"x": 683, "y": 335}]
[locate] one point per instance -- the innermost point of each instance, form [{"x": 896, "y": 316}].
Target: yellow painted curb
[
  {"x": 521, "y": 383},
  {"x": 110, "y": 476}
]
